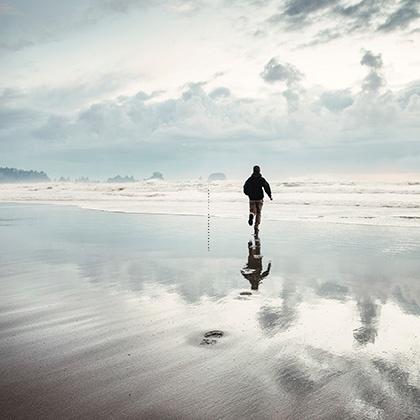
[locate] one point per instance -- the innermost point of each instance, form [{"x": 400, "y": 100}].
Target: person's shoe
[{"x": 251, "y": 219}]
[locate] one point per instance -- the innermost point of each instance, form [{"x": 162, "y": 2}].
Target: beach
[
  {"x": 142, "y": 143},
  {"x": 124, "y": 315},
  {"x": 316, "y": 200}
]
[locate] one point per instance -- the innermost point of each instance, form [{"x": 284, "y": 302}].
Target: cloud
[
  {"x": 55, "y": 129},
  {"x": 296, "y": 14},
  {"x": 301, "y": 9},
  {"x": 180, "y": 7},
  {"x": 11, "y": 117},
  {"x": 361, "y": 15},
  {"x": 76, "y": 94},
  {"x": 371, "y": 60},
  {"x": 409, "y": 95},
  {"x": 374, "y": 80},
  {"x": 9, "y": 95},
  {"x": 220, "y": 92},
  {"x": 203, "y": 123},
  {"x": 289, "y": 74},
  {"x": 407, "y": 12},
  {"x": 322, "y": 37},
  {"x": 339, "y": 18},
  {"x": 194, "y": 115},
  {"x": 276, "y": 72},
  {"x": 336, "y": 100},
  {"x": 200, "y": 117},
  {"x": 143, "y": 96},
  {"x": 27, "y": 23},
  {"x": 121, "y": 6},
  {"x": 32, "y": 24},
  {"x": 15, "y": 44}
]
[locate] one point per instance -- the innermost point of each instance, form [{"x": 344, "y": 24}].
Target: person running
[{"x": 254, "y": 188}]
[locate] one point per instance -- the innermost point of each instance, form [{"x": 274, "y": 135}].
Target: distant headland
[{"x": 21, "y": 175}]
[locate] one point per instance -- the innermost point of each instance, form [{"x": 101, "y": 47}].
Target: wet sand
[{"x": 105, "y": 315}]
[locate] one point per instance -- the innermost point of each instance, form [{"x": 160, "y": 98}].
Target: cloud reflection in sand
[{"x": 331, "y": 330}]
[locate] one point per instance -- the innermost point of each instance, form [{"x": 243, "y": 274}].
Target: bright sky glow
[{"x": 187, "y": 87}]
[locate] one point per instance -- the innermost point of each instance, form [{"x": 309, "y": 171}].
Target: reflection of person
[
  {"x": 253, "y": 271},
  {"x": 254, "y": 188}
]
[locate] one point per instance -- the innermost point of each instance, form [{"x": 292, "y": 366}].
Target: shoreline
[{"x": 314, "y": 220}]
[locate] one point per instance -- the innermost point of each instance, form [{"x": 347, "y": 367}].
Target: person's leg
[
  {"x": 252, "y": 211},
  {"x": 258, "y": 216},
  {"x": 258, "y": 206}
]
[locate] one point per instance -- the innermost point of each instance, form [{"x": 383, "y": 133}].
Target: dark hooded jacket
[{"x": 254, "y": 186}]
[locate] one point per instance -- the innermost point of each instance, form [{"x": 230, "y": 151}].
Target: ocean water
[
  {"x": 108, "y": 314},
  {"x": 351, "y": 202}
]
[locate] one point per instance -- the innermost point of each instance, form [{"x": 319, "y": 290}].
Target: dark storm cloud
[
  {"x": 298, "y": 13},
  {"x": 361, "y": 15},
  {"x": 407, "y": 12},
  {"x": 303, "y": 8},
  {"x": 342, "y": 19}
]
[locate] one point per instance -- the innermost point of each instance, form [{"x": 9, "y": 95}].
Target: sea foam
[{"x": 370, "y": 203}]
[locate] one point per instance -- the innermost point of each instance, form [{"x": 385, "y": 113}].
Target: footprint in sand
[{"x": 210, "y": 337}]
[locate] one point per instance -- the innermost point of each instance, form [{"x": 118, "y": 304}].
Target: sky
[{"x": 302, "y": 87}]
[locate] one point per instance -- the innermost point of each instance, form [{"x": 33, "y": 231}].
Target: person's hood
[{"x": 256, "y": 175}]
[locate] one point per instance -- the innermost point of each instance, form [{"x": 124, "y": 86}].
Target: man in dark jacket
[{"x": 254, "y": 188}]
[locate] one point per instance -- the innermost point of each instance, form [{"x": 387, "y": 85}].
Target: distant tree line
[
  {"x": 155, "y": 175},
  {"x": 126, "y": 178},
  {"x": 20, "y": 175},
  {"x": 119, "y": 178}
]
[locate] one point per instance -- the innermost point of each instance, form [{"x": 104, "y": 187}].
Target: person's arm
[
  {"x": 246, "y": 187},
  {"x": 266, "y": 272},
  {"x": 267, "y": 189}
]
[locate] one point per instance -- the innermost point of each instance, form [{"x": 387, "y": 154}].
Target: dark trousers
[{"x": 255, "y": 207}]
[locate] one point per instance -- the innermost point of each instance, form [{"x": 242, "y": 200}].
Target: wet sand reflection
[
  {"x": 253, "y": 270},
  {"x": 106, "y": 314}
]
